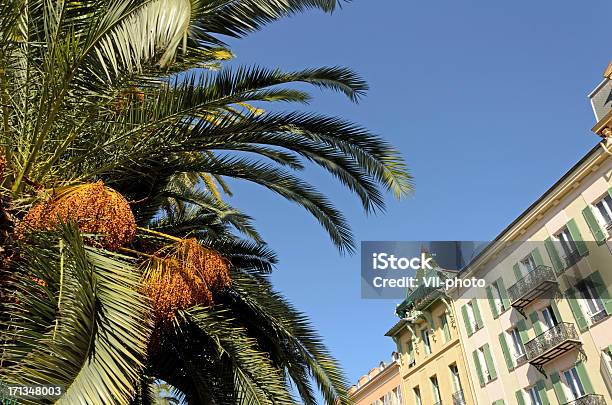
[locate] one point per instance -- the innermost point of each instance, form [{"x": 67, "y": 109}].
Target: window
[
  {"x": 454, "y": 371},
  {"x": 528, "y": 264},
  {"x": 534, "y": 396},
  {"x": 472, "y": 318},
  {"x": 517, "y": 345},
  {"x": 591, "y": 301},
  {"x": 435, "y": 388},
  {"x": 497, "y": 297},
  {"x": 417, "y": 396},
  {"x": 445, "y": 328},
  {"x": 386, "y": 400},
  {"x": 550, "y": 320},
  {"x": 568, "y": 245},
  {"x": 606, "y": 365},
  {"x": 409, "y": 352},
  {"x": 573, "y": 385},
  {"x": 604, "y": 209},
  {"x": 397, "y": 395},
  {"x": 483, "y": 364},
  {"x": 426, "y": 342}
]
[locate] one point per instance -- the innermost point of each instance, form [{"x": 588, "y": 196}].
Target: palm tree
[{"x": 122, "y": 265}]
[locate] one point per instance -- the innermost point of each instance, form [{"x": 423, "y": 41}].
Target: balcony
[
  {"x": 459, "y": 398},
  {"x": 417, "y": 300},
  {"x": 520, "y": 359},
  {"x": 536, "y": 283},
  {"x": 599, "y": 316},
  {"x": 589, "y": 399},
  {"x": 572, "y": 258},
  {"x": 551, "y": 344},
  {"x": 423, "y": 296}
]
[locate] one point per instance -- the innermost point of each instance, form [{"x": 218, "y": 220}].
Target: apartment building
[
  {"x": 381, "y": 386},
  {"x": 432, "y": 362},
  {"x": 540, "y": 332},
  {"x": 546, "y": 306}
]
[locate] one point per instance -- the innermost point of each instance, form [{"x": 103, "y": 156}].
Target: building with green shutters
[
  {"x": 540, "y": 332},
  {"x": 432, "y": 363}
]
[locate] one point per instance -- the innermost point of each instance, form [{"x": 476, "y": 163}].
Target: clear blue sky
[{"x": 487, "y": 102}]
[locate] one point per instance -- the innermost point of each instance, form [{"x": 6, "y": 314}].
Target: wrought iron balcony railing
[
  {"x": 423, "y": 296},
  {"x": 572, "y": 258},
  {"x": 552, "y": 343},
  {"x": 589, "y": 399},
  {"x": 459, "y": 398},
  {"x": 531, "y": 285},
  {"x": 520, "y": 359},
  {"x": 598, "y": 316}
]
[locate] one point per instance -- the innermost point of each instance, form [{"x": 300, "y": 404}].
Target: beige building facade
[
  {"x": 381, "y": 386},
  {"x": 540, "y": 332},
  {"x": 432, "y": 362}
]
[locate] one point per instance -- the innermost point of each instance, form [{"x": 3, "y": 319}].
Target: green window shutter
[
  {"x": 537, "y": 257},
  {"x": 519, "y": 397},
  {"x": 477, "y": 316},
  {"x": 591, "y": 221},
  {"x": 492, "y": 302},
  {"x": 577, "y": 237},
  {"x": 466, "y": 319},
  {"x": 541, "y": 388},
  {"x": 522, "y": 329},
  {"x": 489, "y": 360},
  {"x": 478, "y": 368},
  {"x": 577, "y": 311},
  {"x": 602, "y": 291},
  {"x": 584, "y": 378},
  {"x": 504, "y": 346},
  {"x": 517, "y": 271},
  {"x": 503, "y": 293},
  {"x": 555, "y": 310},
  {"x": 535, "y": 322},
  {"x": 554, "y": 255},
  {"x": 558, "y": 387}
]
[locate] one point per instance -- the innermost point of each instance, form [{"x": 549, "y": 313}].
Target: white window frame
[
  {"x": 591, "y": 298},
  {"x": 435, "y": 388},
  {"x": 533, "y": 395},
  {"x": 397, "y": 395},
  {"x": 471, "y": 316},
  {"x": 455, "y": 378},
  {"x": 484, "y": 368},
  {"x": 607, "y": 207},
  {"x": 497, "y": 299},
  {"x": 444, "y": 323},
  {"x": 548, "y": 313},
  {"x": 426, "y": 342},
  {"x": 517, "y": 344},
  {"x": 418, "y": 399},
  {"x": 574, "y": 385},
  {"x": 528, "y": 264},
  {"x": 568, "y": 245},
  {"x": 606, "y": 358}
]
